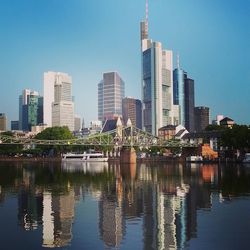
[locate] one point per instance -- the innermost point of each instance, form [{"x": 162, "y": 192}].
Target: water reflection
[{"x": 160, "y": 200}]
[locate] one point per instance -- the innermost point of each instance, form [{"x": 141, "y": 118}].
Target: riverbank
[
  {"x": 117, "y": 159},
  {"x": 31, "y": 159}
]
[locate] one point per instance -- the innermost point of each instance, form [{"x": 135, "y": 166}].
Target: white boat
[
  {"x": 247, "y": 158},
  {"x": 85, "y": 157},
  {"x": 194, "y": 158}
]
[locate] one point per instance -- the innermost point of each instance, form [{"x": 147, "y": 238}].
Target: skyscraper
[
  {"x": 14, "y": 125},
  {"x": 3, "y": 122},
  {"x": 189, "y": 103},
  {"x": 58, "y": 104},
  {"x": 201, "y": 118},
  {"x": 183, "y": 92},
  {"x": 132, "y": 109},
  {"x": 111, "y": 91},
  {"x": 77, "y": 126},
  {"x": 179, "y": 93},
  {"x": 157, "y": 83},
  {"x": 30, "y": 109}
]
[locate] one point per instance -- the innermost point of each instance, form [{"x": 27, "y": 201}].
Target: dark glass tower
[{"x": 189, "y": 103}]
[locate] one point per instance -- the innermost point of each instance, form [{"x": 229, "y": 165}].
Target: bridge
[{"x": 128, "y": 136}]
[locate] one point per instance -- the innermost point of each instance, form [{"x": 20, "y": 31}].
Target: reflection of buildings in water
[
  {"x": 1, "y": 195},
  {"x": 29, "y": 203},
  {"x": 145, "y": 173},
  {"x": 111, "y": 221},
  {"x": 58, "y": 214},
  {"x": 48, "y": 220},
  {"x": 208, "y": 173},
  {"x": 164, "y": 208},
  {"x": 160, "y": 218},
  {"x": 29, "y": 208},
  {"x": 54, "y": 212},
  {"x": 167, "y": 199}
]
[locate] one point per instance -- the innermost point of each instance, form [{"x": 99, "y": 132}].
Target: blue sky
[{"x": 88, "y": 37}]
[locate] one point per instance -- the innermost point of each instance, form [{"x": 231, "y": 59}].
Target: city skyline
[{"x": 88, "y": 38}]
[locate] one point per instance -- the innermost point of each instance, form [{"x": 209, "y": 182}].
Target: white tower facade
[
  {"x": 157, "y": 83},
  {"x": 58, "y": 104}
]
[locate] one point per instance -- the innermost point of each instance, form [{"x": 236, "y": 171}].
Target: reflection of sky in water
[
  {"x": 126, "y": 207},
  {"x": 225, "y": 226}
]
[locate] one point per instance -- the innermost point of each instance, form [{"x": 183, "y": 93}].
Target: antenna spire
[
  {"x": 147, "y": 16},
  {"x": 178, "y": 61}
]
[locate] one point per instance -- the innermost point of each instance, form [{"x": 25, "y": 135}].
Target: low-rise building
[
  {"x": 227, "y": 122},
  {"x": 170, "y": 132},
  {"x": 210, "y": 137}
]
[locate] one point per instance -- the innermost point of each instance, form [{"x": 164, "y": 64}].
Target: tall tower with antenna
[
  {"x": 144, "y": 25},
  {"x": 157, "y": 82}
]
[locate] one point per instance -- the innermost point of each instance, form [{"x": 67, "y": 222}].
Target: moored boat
[
  {"x": 247, "y": 158},
  {"x": 85, "y": 157},
  {"x": 194, "y": 158}
]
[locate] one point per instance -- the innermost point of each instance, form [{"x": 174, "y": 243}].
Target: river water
[{"x": 113, "y": 206}]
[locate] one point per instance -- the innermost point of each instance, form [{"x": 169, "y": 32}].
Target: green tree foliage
[
  {"x": 212, "y": 127},
  {"x": 55, "y": 133},
  {"x": 237, "y": 137}
]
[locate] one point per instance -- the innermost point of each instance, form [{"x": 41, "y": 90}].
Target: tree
[
  {"x": 213, "y": 127},
  {"x": 55, "y": 133},
  {"x": 236, "y": 138}
]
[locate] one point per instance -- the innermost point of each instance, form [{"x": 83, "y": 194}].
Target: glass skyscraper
[
  {"x": 183, "y": 91},
  {"x": 189, "y": 103},
  {"x": 157, "y": 84},
  {"x": 111, "y": 91},
  {"x": 30, "y": 109},
  {"x": 179, "y": 94}
]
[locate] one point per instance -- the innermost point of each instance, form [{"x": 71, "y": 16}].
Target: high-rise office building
[
  {"x": 157, "y": 84},
  {"x": 179, "y": 92},
  {"x": 58, "y": 104},
  {"x": 132, "y": 109},
  {"x": 183, "y": 91},
  {"x": 201, "y": 118},
  {"x": 189, "y": 103},
  {"x": 14, "y": 125},
  {"x": 111, "y": 91},
  {"x": 77, "y": 126},
  {"x": 30, "y": 109},
  {"x": 3, "y": 122}
]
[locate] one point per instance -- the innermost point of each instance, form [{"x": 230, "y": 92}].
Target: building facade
[
  {"x": 201, "y": 118},
  {"x": 3, "y": 122},
  {"x": 132, "y": 109},
  {"x": 158, "y": 109},
  {"x": 30, "y": 109},
  {"x": 189, "y": 103},
  {"x": 179, "y": 94},
  {"x": 14, "y": 125},
  {"x": 57, "y": 102},
  {"x": 157, "y": 84},
  {"x": 111, "y": 91},
  {"x": 183, "y": 92},
  {"x": 77, "y": 126}
]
